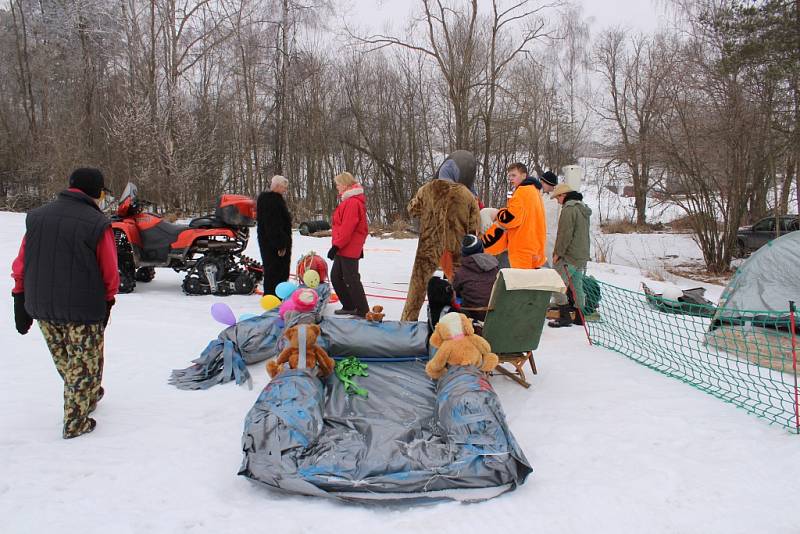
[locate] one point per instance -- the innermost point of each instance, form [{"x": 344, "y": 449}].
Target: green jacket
[{"x": 572, "y": 240}]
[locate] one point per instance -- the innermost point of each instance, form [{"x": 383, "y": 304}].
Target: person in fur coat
[
  {"x": 274, "y": 226},
  {"x": 447, "y": 210}
]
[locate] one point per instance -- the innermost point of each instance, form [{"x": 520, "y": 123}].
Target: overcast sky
[{"x": 637, "y": 15}]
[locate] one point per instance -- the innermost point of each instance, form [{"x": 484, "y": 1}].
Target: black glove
[
  {"x": 21, "y": 317},
  {"x": 332, "y": 253},
  {"x": 109, "y": 305},
  {"x": 362, "y": 255}
]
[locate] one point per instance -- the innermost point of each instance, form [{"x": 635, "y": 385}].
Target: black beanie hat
[
  {"x": 88, "y": 180},
  {"x": 471, "y": 245},
  {"x": 550, "y": 178}
]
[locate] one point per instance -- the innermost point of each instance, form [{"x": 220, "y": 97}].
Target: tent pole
[
  {"x": 579, "y": 311},
  {"x": 793, "y": 325}
]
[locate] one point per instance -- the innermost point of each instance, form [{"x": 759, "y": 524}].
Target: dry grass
[
  {"x": 659, "y": 273},
  {"x": 682, "y": 225},
  {"x": 618, "y": 226},
  {"x": 399, "y": 229},
  {"x": 698, "y": 271},
  {"x": 603, "y": 248},
  {"x": 625, "y": 226},
  {"x": 759, "y": 346}
]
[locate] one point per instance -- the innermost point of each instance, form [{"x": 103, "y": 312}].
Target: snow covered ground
[{"x": 615, "y": 446}]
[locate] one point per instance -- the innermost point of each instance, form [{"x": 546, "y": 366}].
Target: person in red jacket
[
  {"x": 66, "y": 277},
  {"x": 349, "y": 234}
]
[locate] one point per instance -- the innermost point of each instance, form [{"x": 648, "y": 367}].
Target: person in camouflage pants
[
  {"x": 66, "y": 276},
  {"x": 77, "y": 351}
]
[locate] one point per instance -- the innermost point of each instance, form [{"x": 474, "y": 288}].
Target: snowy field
[{"x": 615, "y": 446}]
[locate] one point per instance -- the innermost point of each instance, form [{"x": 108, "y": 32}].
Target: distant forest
[{"x": 190, "y": 99}]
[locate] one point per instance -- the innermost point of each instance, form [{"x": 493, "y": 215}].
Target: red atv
[{"x": 209, "y": 249}]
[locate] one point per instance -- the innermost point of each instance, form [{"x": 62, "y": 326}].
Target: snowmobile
[{"x": 209, "y": 249}]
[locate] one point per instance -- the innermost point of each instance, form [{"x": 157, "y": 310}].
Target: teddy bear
[
  {"x": 376, "y": 315},
  {"x": 315, "y": 356},
  {"x": 457, "y": 344}
]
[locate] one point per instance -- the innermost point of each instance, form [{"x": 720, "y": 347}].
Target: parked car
[{"x": 751, "y": 238}]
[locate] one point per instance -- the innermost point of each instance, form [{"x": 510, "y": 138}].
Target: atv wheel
[
  {"x": 127, "y": 283},
  {"x": 253, "y": 267},
  {"x": 192, "y": 285},
  {"x": 145, "y": 274},
  {"x": 245, "y": 284}
]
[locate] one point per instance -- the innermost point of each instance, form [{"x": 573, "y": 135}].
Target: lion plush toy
[
  {"x": 315, "y": 356},
  {"x": 457, "y": 344}
]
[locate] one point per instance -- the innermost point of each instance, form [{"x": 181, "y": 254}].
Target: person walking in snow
[
  {"x": 520, "y": 227},
  {"x": 350, "y": 230},
  {"x": 447, "y": 210},
  {"x": 475, "y": 278},
  {"x": 274, "y": 227},
  {"x": 571, "y": 253},
  {"x": 66, "y": 277}
]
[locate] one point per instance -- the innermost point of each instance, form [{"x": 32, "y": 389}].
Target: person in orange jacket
[{"x": 520, "y": 227}]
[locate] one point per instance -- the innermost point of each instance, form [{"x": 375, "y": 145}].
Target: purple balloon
[{"x": 222, "y": 313}]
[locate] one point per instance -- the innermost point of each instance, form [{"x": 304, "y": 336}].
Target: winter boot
[
  {"x": 578, "y": 317},
  {"x": 564, "y": 317},
  {"x": 344, "y": 312},
  {"x": 87, "y": 427}
]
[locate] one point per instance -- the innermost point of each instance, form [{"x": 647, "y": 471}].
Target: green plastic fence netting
[{"x": 744, "y": 357}]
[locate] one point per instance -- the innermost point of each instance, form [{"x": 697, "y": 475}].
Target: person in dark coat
[
  {"x": 475, "y": 277},
  {"x": 350, "y": 232},
  {"x": 66, "y": 277},
  {"x": 274, "y": 226}
]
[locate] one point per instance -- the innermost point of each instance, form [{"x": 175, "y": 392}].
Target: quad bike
[{"x": 209, "y": 249}]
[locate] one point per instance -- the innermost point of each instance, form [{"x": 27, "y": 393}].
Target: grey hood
[
  {"x": 482, "y": 261},
  {"x": 585, "y": 210},
  {"x": 459, "y": 167}
]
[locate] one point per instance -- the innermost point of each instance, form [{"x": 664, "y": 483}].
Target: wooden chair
[{"x": 515, "y": 317}]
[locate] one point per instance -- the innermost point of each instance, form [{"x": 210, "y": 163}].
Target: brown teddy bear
[
  {"x": 376, "y": 315},
  {"x": 457, "y": 344},
  {"x": 315, "y": 356}
]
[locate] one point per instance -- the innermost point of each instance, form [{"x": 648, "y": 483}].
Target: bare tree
[{"x": 634, "y": 72}]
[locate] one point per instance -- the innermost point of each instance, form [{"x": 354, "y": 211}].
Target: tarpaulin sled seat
[{"x": 410, "y": 438}]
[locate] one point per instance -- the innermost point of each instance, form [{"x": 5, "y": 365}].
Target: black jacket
[
  {"x": 63, "y": 283},
  {"x": 274, "y": 222}
]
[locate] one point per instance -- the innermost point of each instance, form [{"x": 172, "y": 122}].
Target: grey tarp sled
[
  {"x": 410, "y": 438},
  {"x": 250, "y": 341},
  {"x": 260, "y": 338}
]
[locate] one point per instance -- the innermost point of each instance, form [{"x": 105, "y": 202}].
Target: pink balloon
[
  {"x": 286, "y": 306},
  {"x": 222, "y": 313}
]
